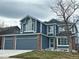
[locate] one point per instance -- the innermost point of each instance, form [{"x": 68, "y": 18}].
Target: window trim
[
  {"x": 31, "y": 25},
  {"x": 53, "y": 29},
  {"x": 61, "y": 29},
  {"x": 29, "y": 31},
  {"x": 61, "y": 45}
]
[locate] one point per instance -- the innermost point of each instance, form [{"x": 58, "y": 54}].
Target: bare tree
[
  {"x": 66, "y": 9},
  {"x": 2, "y": 24}
]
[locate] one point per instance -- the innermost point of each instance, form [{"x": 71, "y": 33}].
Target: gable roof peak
[
  {"x": 53, "y": 21},
  {"x": 29, "y": 16}
]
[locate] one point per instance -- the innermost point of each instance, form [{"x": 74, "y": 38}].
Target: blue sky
[{"x": 12, "y": 11}]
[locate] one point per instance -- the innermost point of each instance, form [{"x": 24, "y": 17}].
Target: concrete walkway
[
  {"x": 7, "y": 53},
  {"x": 8, "y": 58}
]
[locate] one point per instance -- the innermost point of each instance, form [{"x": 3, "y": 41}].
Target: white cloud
[
  {"x": 10, "y": 21},
  {"x": 20, "y": 8}
]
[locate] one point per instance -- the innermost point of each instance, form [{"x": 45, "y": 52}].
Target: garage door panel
[
  {"x": 8, "y": 44},
  {"x": 26, "y": 44}
]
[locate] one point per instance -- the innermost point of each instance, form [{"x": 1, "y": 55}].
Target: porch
[{"x": 58, "y": 43}]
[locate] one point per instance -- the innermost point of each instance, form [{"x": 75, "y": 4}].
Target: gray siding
[
  {"x": 44, "y": 29},
  {"x": 45, "y": 42},
  {"x": 8, "y": 42},
  {"x": 27, "y": 32},
  {"x": 26, "y": 37}
]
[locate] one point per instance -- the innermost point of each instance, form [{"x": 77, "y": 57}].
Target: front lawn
[{"x": 47, "y": 55}]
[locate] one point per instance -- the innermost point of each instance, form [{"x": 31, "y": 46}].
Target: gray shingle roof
[
  {"x": 53, "y": 21},
  {"x": 10, "y": 30}
]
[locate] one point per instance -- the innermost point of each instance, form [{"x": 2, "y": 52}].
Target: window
[
  {"x": 61, "y": 29},
  {"x": 51, "y": 40},
  {"x": 51, "y": 29},
  {"x": 33, "y": 25},
  {"x": 73, "y": 29},
  {"x": 29, "y": 26},
  {"x": 63, "y": 41}
]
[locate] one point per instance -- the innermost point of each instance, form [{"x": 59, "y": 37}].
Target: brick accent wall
[
  {"x": 39, "y": 43},
  {"x": 14, "y": 42}
]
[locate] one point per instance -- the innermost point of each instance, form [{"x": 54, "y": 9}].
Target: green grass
[{"x": 47, "y": 55}]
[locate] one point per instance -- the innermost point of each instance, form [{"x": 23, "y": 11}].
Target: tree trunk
[
  {"x": 68, "y": 37},
  {"x": 70, "y": 44}
]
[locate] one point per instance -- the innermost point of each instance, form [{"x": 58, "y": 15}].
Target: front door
[{"x": 51, "y": 43}]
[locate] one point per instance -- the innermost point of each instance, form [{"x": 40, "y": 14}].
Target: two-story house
[{"x": 35, "y": 35}]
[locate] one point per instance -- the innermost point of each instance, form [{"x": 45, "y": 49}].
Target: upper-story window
[
  {"x": 33, "y": 25},
  {"x": 51, "y": 29},
  {"x": 73, "y": 29},
  {"x": 29, "y": 26},
  {"x": 61, "y": 29}
]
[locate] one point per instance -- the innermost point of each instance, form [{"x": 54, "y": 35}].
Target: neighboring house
[
  {"x": 35, "y": 35},
  {"x": 8, "y": 30}
]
